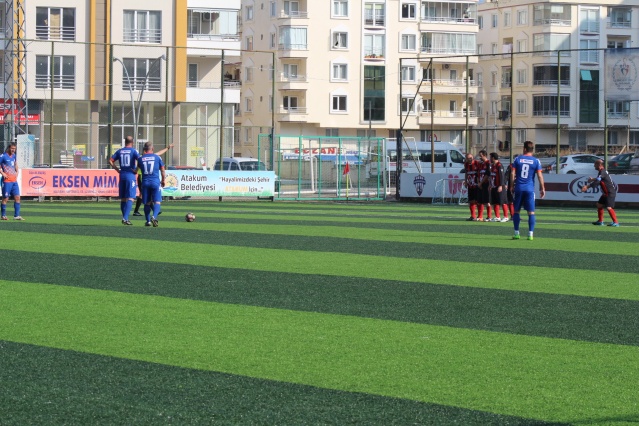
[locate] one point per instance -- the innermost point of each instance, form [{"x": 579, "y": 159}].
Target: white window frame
[
  {"x": 507, "y": 19},
  {"x": 248, "y": 13},
  {"x": 290, "y": 71},
  {"x": 273, "y": 9},
  {"x": 151, "y": 83},
  {"x": 588, "y": 57},
  {"x": 408, "y": 73},
  {"x": 45, "y": 30},
  {"x": 522, "y": 76},
  {"x": 190, "y": 82},
  {"x": 142, "y": 18},
  {"x": 339, "y": 40},
  {"x": 404, "y": 43},
  {"x": 522, "y": 17},
  {"x": 291, "y": 103},
  {"x": 339, "y": 71},
  {"x": 339, "y": 9},
  {"x": 494, "y": 20},
  {"x": 521, "y": 136},
  {"x": 521, "y": 106},
  {"x": 248, "y": 74},
  {"x": 336, "y": 100},
  {"x": 522, "y": 45},
  {"x": 479, "y": 108},
  {"x": 60, "y": 80},
  {"x": 494, "y": 78},
  {"x": 404, "y": 103},
  {"x": 480, "y": 79},
  {"x": 376, "y": 41},
  {"x": 480, "y": 21},
  {"x": 411, "y": 8},
  {"x": 248, "y": 104}
]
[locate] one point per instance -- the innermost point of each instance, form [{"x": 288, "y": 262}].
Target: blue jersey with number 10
[
  {"x": 526, "y": 167},
  {"x": 150, "y": 165},
  {"x": 127, "y": 157}
]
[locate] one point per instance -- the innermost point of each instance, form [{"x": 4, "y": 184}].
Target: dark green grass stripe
[
  {"x": 497, "y": 256},
  {"x": 52, "y": 386},
  {"x": 535, "y": 314}
]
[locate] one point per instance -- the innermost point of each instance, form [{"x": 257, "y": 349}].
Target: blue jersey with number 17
[
  {"x": 150, "y": 165},
  {"x": 526, "y": 167}
]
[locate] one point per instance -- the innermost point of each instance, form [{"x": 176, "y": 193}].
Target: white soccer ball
[{"x": 190, "y": 217}]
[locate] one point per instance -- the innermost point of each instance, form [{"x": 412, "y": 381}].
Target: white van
[{"x": 416, "y": 157}]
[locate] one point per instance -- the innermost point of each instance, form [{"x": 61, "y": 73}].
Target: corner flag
[{"x": 347, "y": 169}]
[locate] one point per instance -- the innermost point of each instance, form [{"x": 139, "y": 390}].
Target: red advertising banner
[
  {"x": 69, "y": 183},
  {"x": 10, "y": 107}
]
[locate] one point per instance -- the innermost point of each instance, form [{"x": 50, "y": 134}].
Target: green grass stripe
[
  {"x": 570, "y": 381},
  {"x": 535, "y": 279},
  {"x": 51, "y": 386},
  {"x": 536, "y": 314}
]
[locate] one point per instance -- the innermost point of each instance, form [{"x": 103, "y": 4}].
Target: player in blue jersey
[
  {"x": 127, "y": 158},
  {"x": 153, "y": 178},
  {"x": 524, "y": 169},
  {"x": 10, "y": 188}
]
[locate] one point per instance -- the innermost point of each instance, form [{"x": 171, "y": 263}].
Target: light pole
[{"x": 136, "y": 113}]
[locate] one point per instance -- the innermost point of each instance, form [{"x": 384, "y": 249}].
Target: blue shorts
[
  {"x": 127, "y": 188},
  {"x": 525, "y": 199},
  {"x": 151, "y": 194},
  {"x": 10, "y": 189}
]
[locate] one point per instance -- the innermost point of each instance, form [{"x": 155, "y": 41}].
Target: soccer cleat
[
  {"x": 470, "y": 219},
  {"x": 598, "y": 223},
  {"x": 154, "y": 221},
  {"x": 18, "y": 218},
  {"x": 4, "y": 218},
  {"x": 516, "y": 237},
  {"x": 147, "y": 224},
  {"x": 530, "y": 238},
  {"x": 159, "y": 214},
  {"x": 137, "y": 214},
  {"x": 126, "y": 222},
  {"x": 496, "y": 219},
  {"x": 615, "y": 224},
  {"x": 505, "y": 219}
]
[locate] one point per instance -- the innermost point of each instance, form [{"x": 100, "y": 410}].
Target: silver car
[{"x": 581, "y": 164}]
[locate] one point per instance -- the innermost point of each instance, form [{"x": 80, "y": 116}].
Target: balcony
[
  {"x": 456, "y": 86},
  {"x": 291, "y": 50},
  {"x": 445, "y": 117},
  {"x": 293, "y": 14},
  {"x": 292, "y": 82},
  {"x": 44, "y": 32},
  {"x": 292, "y": 114},
  {"x": 210, "y": 92}
]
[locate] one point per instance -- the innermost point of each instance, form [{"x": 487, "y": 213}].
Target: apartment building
[
  {"x": 98, "y": 70},
  {"x": 352, "y": 68},
  {"x": 541, "y": 69}
]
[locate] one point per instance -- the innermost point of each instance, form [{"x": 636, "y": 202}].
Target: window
[
  {"x": 618, "y": 109},
  {"x": 249, "y": 42},
  {"x": 193, "y": 81},
  {"x": 142, "y": 73},
  {"x": 620, "y": 17},
  {"x": 248, "y": 73},
  {"x": 506, "y": 19},
  {"x": 494, "y": 20},
  {"x": 248, "y": 104},
  {"x": 293, "y": 38},
  {"x": 54, "y": 23},
  {"x": 428, "y": 74},
  {"x": 408, "y": 73},
  {"x": 292, "y": 8},
  {"x": 409, "y": 10},
  {"x": 338, "y": 103},
  {"x": 374, "y": 105},
  {"x": 408, "y": 104},
  {"x": 521, "y": 136},
  {"x": 142, "y": 26},
  {"x": 273, "y": 9},
  {"x": 480, "y": 21},
  {"x": 546, "y": 105},
  {"x": 493, "y": 78},
  {"x": 374, "y": 45},
  {"x": 494, "y": 48},
  {"x": 522, "y": 17},
  {"x": 332, "y": 132},
  {"x": 340, "y": 40},
  {"x": 63, "y": 72},
  {"x": 480, "y": 49},
  {"x": 428, "y": 105},
  {"x": 272, "y": 40},
  {"x": 409, "y": 42},
  {"x": 480, "y": 79},
  {"x": 340, "y": 8},
  {"x": 480, "y": 108},
  {"x": 290, "y": 103},
  {"x": 290, "y": 71},
  {"x": 374, "y": 15},
  {"x": 208, "y": 23},
  {"x": 506, "y": 77},
  {"x": 551, "y": 14},
  {"x": 521, "y": 106},
  {"x": 548, "y": 43},
  {"x": 340, "y": 72},
  {"x": 522, "y": 45},
  {"x": 547, "y": 75},
  {"x": 521, "y": 76},
  {"x": 589, "y": 56},
  {"x": 248, "y": 13},
  {"x": 453, "y": 43},
  {"x": 589, "y": 20}
]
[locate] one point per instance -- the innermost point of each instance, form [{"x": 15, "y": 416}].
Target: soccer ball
[{"x": 190, "y": 217}]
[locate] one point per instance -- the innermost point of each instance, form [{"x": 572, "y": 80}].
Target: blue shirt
[
  {"x": 8, "y": 165},
  {"x": 127, "y": 157},
  {"x": 526, "y": 167},
  {"x": 150, "y": 165}
]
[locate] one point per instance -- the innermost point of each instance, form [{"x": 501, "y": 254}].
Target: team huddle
[{"x": 488, "y": 183}]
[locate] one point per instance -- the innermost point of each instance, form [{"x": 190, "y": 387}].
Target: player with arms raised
[
  {"x": 524, "y": 169},
  {"x": 153, "y": 179},
  {"x": 127, "y": 158},
  {"x": 10, "y": 188}
]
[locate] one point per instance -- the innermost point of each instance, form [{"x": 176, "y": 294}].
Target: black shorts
[
  {"x": 473, "y": 194},
  {"x": 484, "y": 195},
  {"x": 607, "y": 201},
  {"x": 509, "y": 196},
  {"x": 498, "y": 198}
]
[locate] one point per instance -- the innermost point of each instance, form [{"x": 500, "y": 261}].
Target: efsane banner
[{"x": 621, "y": 74}]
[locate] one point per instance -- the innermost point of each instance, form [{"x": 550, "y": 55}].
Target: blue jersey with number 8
[{"x": 526, "y": 167}]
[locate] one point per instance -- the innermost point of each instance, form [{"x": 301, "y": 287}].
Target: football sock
[
  {"x": 512, "y": 209},
  {"x": 504, "y": 207},
  {"x": 481, "y": 210},
  {"x": 488, "y": 211},
  {"x": 600, "y": 215},
  {"x": 138, "y": 203},
  {"x": 516, "y": 220},
  {"x": 156, "y": 210},
  {"x": 473, "y": 210},
  {"x": 127, "y": 209},
  {"x": 531, "y": 223},
  {"x": 147, "y": 212},
  {"x": 122, "y": 207},
  {"x": 4, "y": 210},
  {"x": 612, "y": 214},
  {"x": 496, "y": 207},
  {"x": 16, "y": 206}
]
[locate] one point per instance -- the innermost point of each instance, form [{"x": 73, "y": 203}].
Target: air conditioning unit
[
  {"x": 206, "y": 16},
  {"x": 445, "y": 66}
]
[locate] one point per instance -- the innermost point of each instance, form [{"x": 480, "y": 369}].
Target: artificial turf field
[{"x": 316, "y": 313}]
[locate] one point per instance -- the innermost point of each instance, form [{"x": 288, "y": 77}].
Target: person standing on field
[
  {"x": 153, "y": 179},
  {"x": 524, "y": 169},
  {"x": 483, "y": 184},
  {"x": 127, "y": 158},
  {"x": 9, "y": 170},
  {"x": 498, "y": 187},
  {"x": 470, "y": 170},
  {"x": 608, "y": 194},
  {"x": 138, "y": 200}
]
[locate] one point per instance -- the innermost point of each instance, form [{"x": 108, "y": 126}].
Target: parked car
[
  {"x": 634, "y": 164},
  {"x": 582, "y": 164},
  {"x": 547, "y": 163},
  {"x": 620, "y": 163}
]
